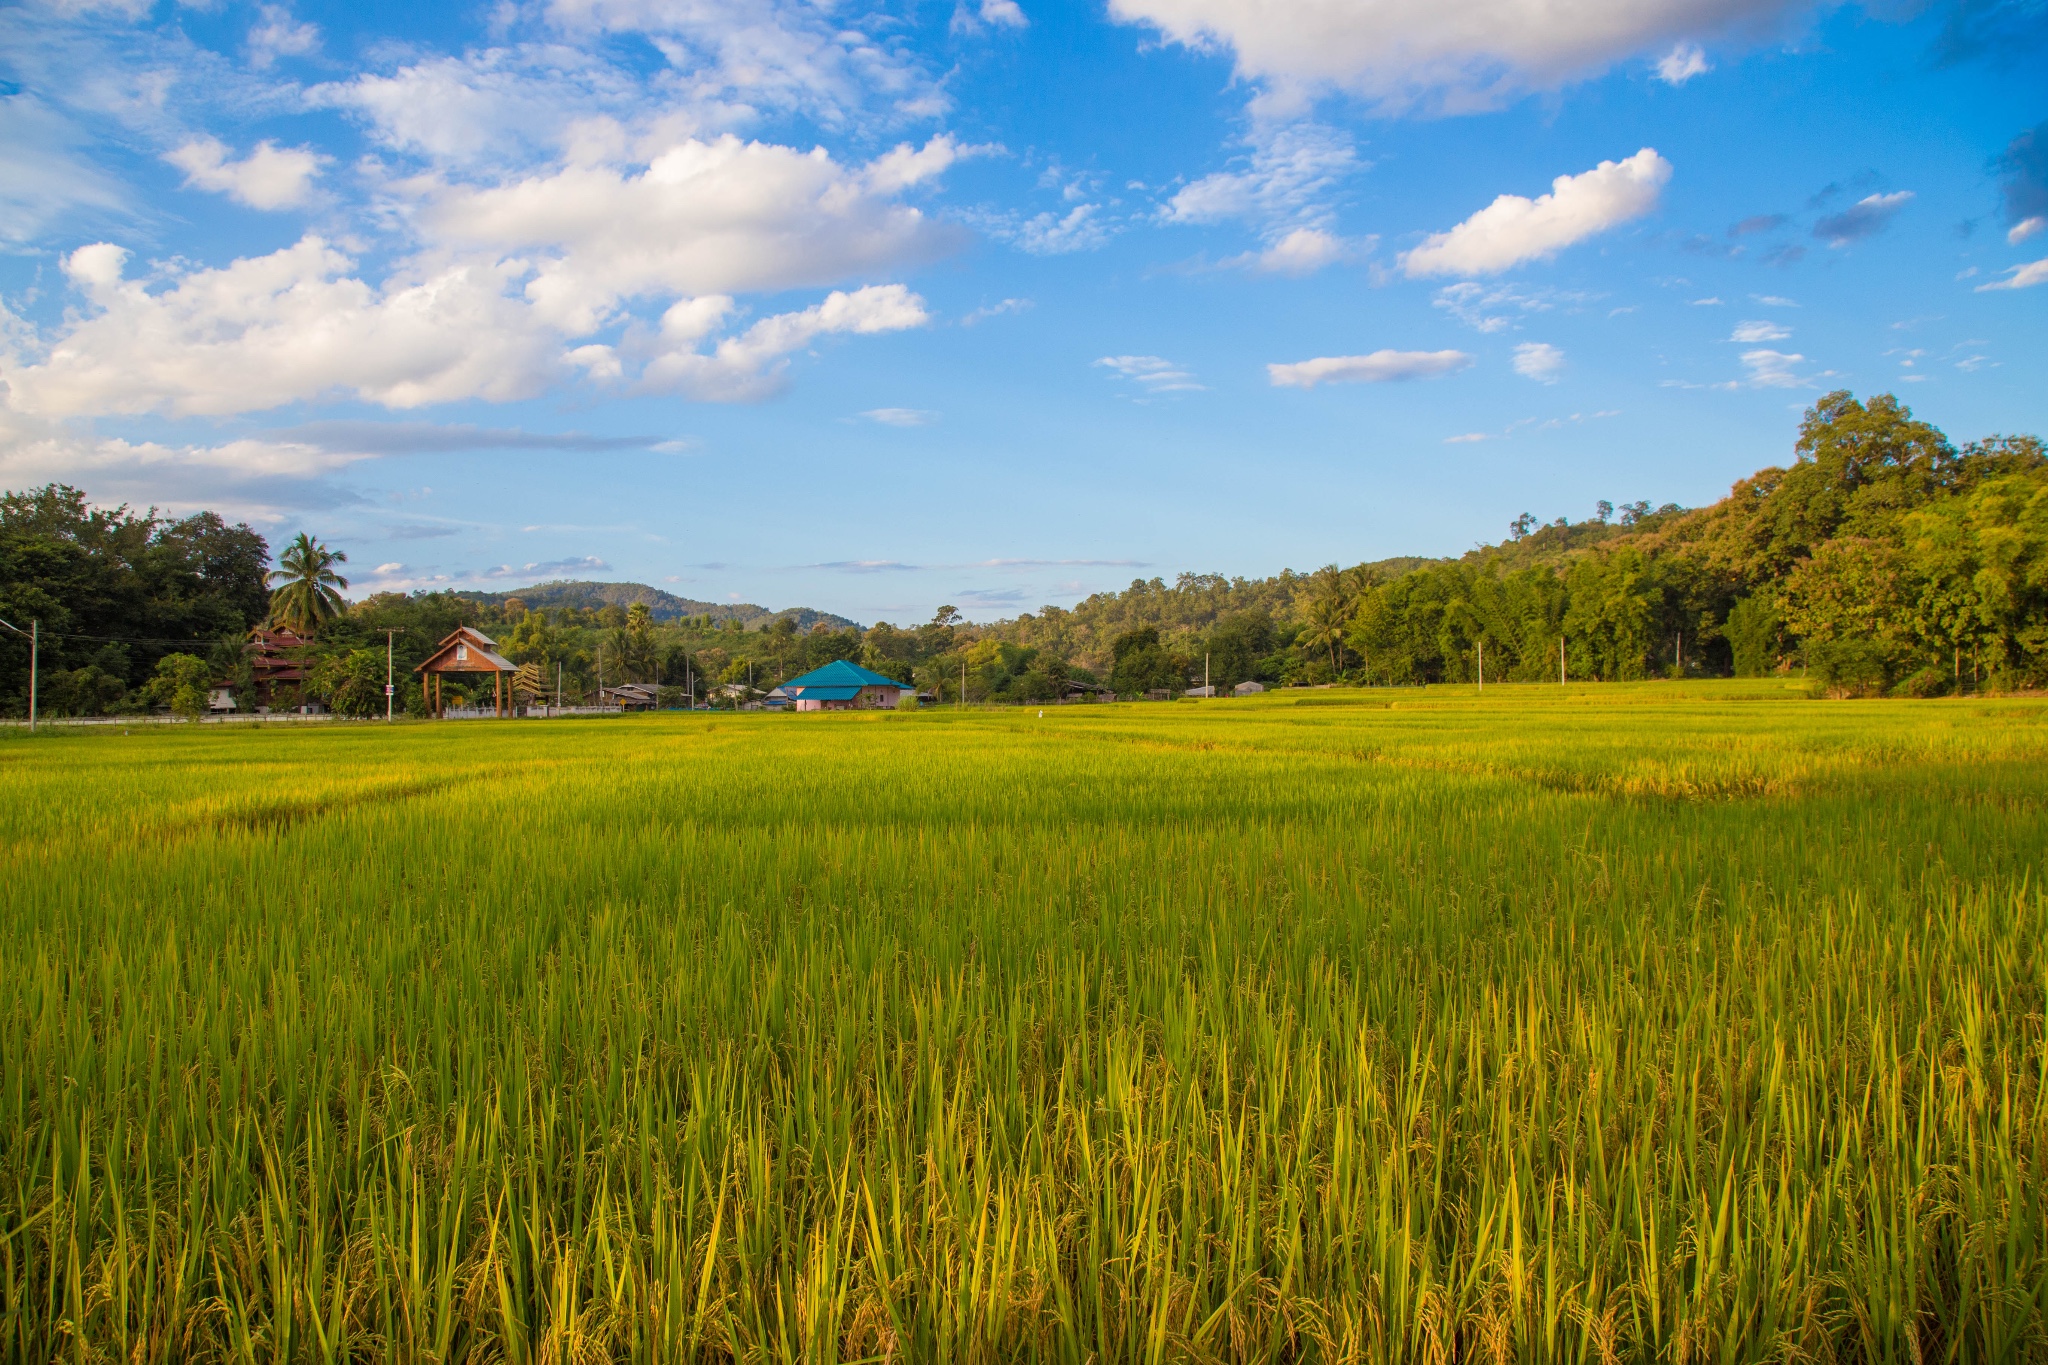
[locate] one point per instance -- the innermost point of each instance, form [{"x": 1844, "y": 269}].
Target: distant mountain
[{"x": 665, "y": 606}]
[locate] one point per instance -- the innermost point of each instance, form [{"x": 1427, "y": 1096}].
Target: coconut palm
[{"x": 306, "y": 595}]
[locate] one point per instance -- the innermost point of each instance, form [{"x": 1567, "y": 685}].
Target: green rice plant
[{"x": 1683, "y": 1022}]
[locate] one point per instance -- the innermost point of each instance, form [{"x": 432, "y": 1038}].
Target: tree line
[{"x": 1883, "y": 559}]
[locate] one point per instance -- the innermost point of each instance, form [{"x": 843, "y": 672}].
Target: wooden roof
[{"x": 467, "y": 651}]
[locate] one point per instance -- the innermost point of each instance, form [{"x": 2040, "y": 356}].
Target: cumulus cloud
[
  {"x": 1513, "y": 229},
  {"x": 277, "y": 34},
  {"x": 1152, "y": 373},
  {"x": 1378, "y": 368},
  {"x": 270, "y": 177},
  {"x": 702, "y": 218},
  {"x": 1866, "y": 217},
  {"x": 1301, "y": 252},
  {"x": 272, "y": 329},
  {"x": 750, "y": 366},
  {"x": 1539, "y": 360},
  {"x": 1749, "y": 333},
  {"x": 1681, "y": 64},
  {"x": 2020, "y": 277},
  {"x": 1450, "y": 55}
]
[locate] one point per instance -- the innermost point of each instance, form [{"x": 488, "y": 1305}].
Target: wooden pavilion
[{"x": 468, "y": 651}]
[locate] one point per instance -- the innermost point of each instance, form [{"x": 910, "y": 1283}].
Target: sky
[{"x": 991, "y": 303}]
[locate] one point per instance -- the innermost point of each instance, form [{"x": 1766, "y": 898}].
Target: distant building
[
  {"x": 1205, "y": 690},
  {"x": 471, "y": 654},
  {"x": 1073, "y": 690},
  {"x": 1246, "y": 689},
  {"x": 628, "y": 696},
  {"x": 841, "y": 686},
  {"x": 277, "y": 667}
]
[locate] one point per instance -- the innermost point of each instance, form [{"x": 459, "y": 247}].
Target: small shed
[
  {"x": 1246, "y": 689},
  {"x": 629, "y": 696},
  {"x": 843, "y": 686},
  {"x": 468, "y": 652}
]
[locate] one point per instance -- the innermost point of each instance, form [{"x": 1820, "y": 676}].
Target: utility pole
[
  {"x": 389, "y": 688},
  {"x": 1482, "y": 665},
  {"x": 558, "y": 684},
  {"x": 35, "y": 632},
  {"x": 963, "y": 680},
  {"x": 1205, "y": 675},
  {"x": 1560, "y": 661}
]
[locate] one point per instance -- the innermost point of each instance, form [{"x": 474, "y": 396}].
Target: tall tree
[{"x": 308, "y": 592}]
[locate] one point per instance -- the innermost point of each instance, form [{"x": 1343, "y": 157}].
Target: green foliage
[
  {"x": 351, "y": 684},
  {"x": 1617, "y": 1023},
  {"x": 308, "y": 593},
  {"x": 114, "y": 592},
  {"x": 181, "y": 684},
  {"x": 1754, "y": 631}
]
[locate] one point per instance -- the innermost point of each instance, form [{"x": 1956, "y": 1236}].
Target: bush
[
  {"x": 1927, "y": 682},
  {"x": 1849, "y": 668}
]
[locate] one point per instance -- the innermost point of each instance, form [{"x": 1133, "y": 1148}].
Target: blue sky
[{"x": 996, "y": 304}]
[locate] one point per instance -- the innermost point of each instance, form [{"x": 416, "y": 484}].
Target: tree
[
  {"x": 307, "y": 596},
  {"x": 351, "y": 684},
  {"x": 180, "y": 684},
  {"x": 1328, "y": 612}
]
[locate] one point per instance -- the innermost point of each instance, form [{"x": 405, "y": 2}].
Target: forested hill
[
  {"x": 1883, "y": 558},
  {"x": 662, "y": 606}
]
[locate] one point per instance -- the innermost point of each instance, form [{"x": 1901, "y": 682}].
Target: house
[
  {"x": 628, "y": 696},
  {"x": 1246, "y": 689},
  {"x": 277, "y": 666},
  {"x": 1073, "y": 690},
  {"x": 1205, "y": 690},
  {"x": 842, "y": 686},
  {"x": 220, "y": 700},
  {"x": 468, "y": 651},
  {"x": 777, "y": 700}
]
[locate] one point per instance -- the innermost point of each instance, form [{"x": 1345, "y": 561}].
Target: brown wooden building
[{"x": 468, "y": 652}]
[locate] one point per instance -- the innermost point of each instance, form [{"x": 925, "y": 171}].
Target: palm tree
[
  {"x": 1329, "y": 610},
  {"x": 306, "y": 593}
]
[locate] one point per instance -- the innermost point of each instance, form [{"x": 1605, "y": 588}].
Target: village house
[{"x": 841, "y": 686}]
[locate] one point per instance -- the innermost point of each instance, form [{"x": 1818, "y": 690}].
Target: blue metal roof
[
  {"x": 834, "y": 676},
  {"x": 815, "y": 693}
]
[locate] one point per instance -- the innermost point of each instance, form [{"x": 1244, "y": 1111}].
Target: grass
[{"x": 1679, "y": 1022}]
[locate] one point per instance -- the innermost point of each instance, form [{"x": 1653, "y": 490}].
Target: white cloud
[
  {"x": 750, "y": 366},
  {"x": 40, "y": 176},
  {"x": 901, "y": 417},
  {"x": 268, "y": 330},
  {"x": 1449, "y": 55},
  {"x": 2025, "y": 228},
  {"x": 996, "y": 310},
  {"x": 1285, "y": 181},
  {"x": 703, "y": 218},
  {"x": 1485, "y": 307},
  {"x": 1681, "y": 64},
  {"x": 280, "y": 35},
  {"x": 1773, "y": 369},
  {"x": 1513, "y": 229},
  {"x": 1469, "y": 438},
  {"x": 785, "y": 55},
  {"x": 1301, "y": 252},
  {"x": 270, "y": 177},
  {"x": 1050, "y": 234},
  {"x": 1539, "y": 360},
  {"x": 2020, "y": 277},
  {"x": 1749, "y": 333},
  {"x": 1866, "y": 217},
  {"x": 1378, "y": 368},
  {"x": 1003, "y": 14},
  {"x": 1152, "y": 373},
  {"x": 1774, "y": 301}
]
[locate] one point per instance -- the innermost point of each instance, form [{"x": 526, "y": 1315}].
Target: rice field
[{"x": 1679, "y": 1022}]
